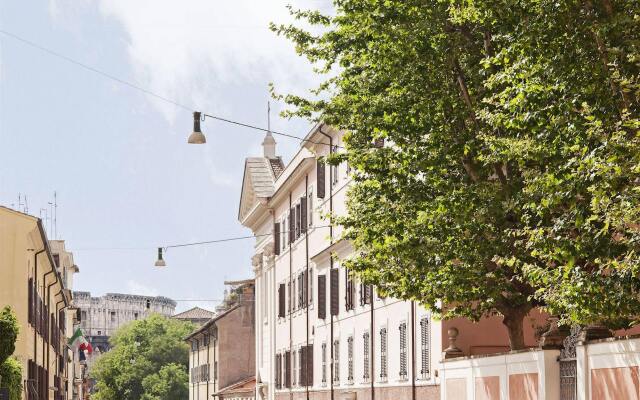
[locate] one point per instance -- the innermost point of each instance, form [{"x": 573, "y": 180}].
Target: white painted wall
[{"x": 542, "y": 362}]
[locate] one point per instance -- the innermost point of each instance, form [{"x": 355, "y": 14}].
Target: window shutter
[
  {"x": 287, "y": 369},
  {"x": 305, "y": 278},
  {"x": 302, "y": 376},
  {"x": 303, "y": 214},
  {"x": 292, "y": 225},
  {"x": 320, "y": 176},
  {"x": 309, "y": 367},
  {"x": 281, "y": 300},
  {"x": 335, "y": 290},
  {"x": 31, "y": 301},
  {"x": 276, "y": 238},
  {"x": 322, "y": 296}
]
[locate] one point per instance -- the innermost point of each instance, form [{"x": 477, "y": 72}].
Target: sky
[{"x": 117, "y": 158}]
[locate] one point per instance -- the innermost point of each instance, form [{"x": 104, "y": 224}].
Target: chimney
[{"x": 269, "y": 146}]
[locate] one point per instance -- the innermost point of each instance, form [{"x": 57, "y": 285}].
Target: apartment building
[
  {"x": 33, "y": 283},
  {"x": 321, "y": 334},
  {"x": 222, "y": 357}
]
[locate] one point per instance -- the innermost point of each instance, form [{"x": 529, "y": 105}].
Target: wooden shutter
[
  {"x": 31, "y": 301},
  {"x": 309, "y": 368},
  {"x": 320, "y": 177},
  {"x": 305, "y": 292},
  {"x": 334, "y": 291},
  {"x": 276, "y": 238},
  {"x": 302, "y": 376},
  {"x": 322, "y": 296},
  {"x": 303, "y": 214},
  {"x": 287, "y": 369},
  {"x": 277, "y": 378},
  {"x": 292, "y": 225},
  {"x": 281, "y": 300}
]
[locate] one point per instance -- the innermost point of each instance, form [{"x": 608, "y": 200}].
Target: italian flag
[{"x": 78, "y": 337}]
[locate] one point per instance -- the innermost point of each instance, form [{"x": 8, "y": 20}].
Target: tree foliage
[
  {"x": 10, "y": 369},
  {"x": 510, "y": 177},
  {"x": 9, "y": 330},
  {"x": 170, "y": 383},
  {"x": 144, "y": 354}
]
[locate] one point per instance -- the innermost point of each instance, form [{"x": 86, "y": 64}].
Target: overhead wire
[{"x": 144, "y": 90}]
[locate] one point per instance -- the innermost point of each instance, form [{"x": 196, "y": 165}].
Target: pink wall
[{"x": 489, "y": 335}]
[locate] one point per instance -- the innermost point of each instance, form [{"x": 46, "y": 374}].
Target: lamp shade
[
  {"x": 196, "y": 137},
  {"x": 160, "y": 262}
]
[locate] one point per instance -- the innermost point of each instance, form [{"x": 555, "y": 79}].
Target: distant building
[
  {"x": 101, "y": 316},
  {"x": 196, "y": 315},
  {"x": 222, "y": 358}
]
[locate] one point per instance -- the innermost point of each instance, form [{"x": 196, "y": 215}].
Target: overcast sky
[{"x": 126, "y": 179}]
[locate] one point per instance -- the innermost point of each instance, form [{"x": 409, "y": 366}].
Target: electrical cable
[
  {"x": 189, "y": 244},
  {"x": 143, "y": 90}
]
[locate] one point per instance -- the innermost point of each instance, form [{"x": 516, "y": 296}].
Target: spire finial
[{"x": 269, "y": 143}]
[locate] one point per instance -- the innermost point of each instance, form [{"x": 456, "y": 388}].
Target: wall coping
[
  {"x": 611, "y": 339},
  {"x": 504, "y": 353}
]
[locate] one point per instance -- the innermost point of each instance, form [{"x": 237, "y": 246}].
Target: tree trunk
[{"x": 514, "y": 321}]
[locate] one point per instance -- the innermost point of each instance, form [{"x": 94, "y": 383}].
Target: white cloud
[
  {"x": 138, "y": 288},
  {"x": 187, "y": 50}
]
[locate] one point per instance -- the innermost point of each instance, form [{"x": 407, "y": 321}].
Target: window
[
  {"x": 383, "y": 354},
  {"x": 283, "y": 233},
  {"x": 366, "y": 367},
  {"x": 334, "y": 169},
  {"x": 324, "y": 364},
  {"x": 425, "y": 343},
  {"x": 310, "y": 206},
  {"x": 298, "y": 220},
  {"x": 336, "y": 361},
  {"x": 293, "y": 295},
  {"x": 113, "y": 316},
  {"x": 99, "y": 333},
  {"x": 278, "y": 371},
  {"x": 205, "y": 340},
  {"x": 295, "y": 367},
  {"x": 403, "y": 350},
  {"x": 290, "y": 296},
  {"x": 135, "y": 315},
  {"x": 310, "y": 291},
  {"x": 350, "y": 291},
  {"x": 350, "y": 359},
  {"x": 365, "y": 294},
  {"x": 83, "y": 315}
]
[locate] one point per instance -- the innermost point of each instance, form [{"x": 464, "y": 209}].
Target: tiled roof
[
  {"x": 248, "y": 384},
  {"x": 195, "y": 313},
  {"x": 277, "y": 166}
]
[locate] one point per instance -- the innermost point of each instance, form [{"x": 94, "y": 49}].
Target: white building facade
[{"x": 320, "y": 334}]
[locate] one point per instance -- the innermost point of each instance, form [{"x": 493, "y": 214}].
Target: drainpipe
[
  {"x": 290, "y": 308},
  {"x": 413, "y": 350},
  {"x": 306, "y": 283},
  {"x": 48, "y": 334},
  {"x": 330, "y": 243},
  {"x": 35, "y": 294},
  {"x": 372, "y": 359},
  {"x": 208, "y": 365}
]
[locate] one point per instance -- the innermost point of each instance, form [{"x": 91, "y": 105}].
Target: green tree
[
  {"x": 148, "y": 349},
  {"x": 9, "y": 330},
  {"x": 510, "y": 175},
  {"x": 10, "y": 369},
  {"x": 170, "y": 383}
]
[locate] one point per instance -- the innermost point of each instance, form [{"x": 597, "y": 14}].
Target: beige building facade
[
  {"x": 222, "y": 357},
  {"x": 34, "y": 285}
]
